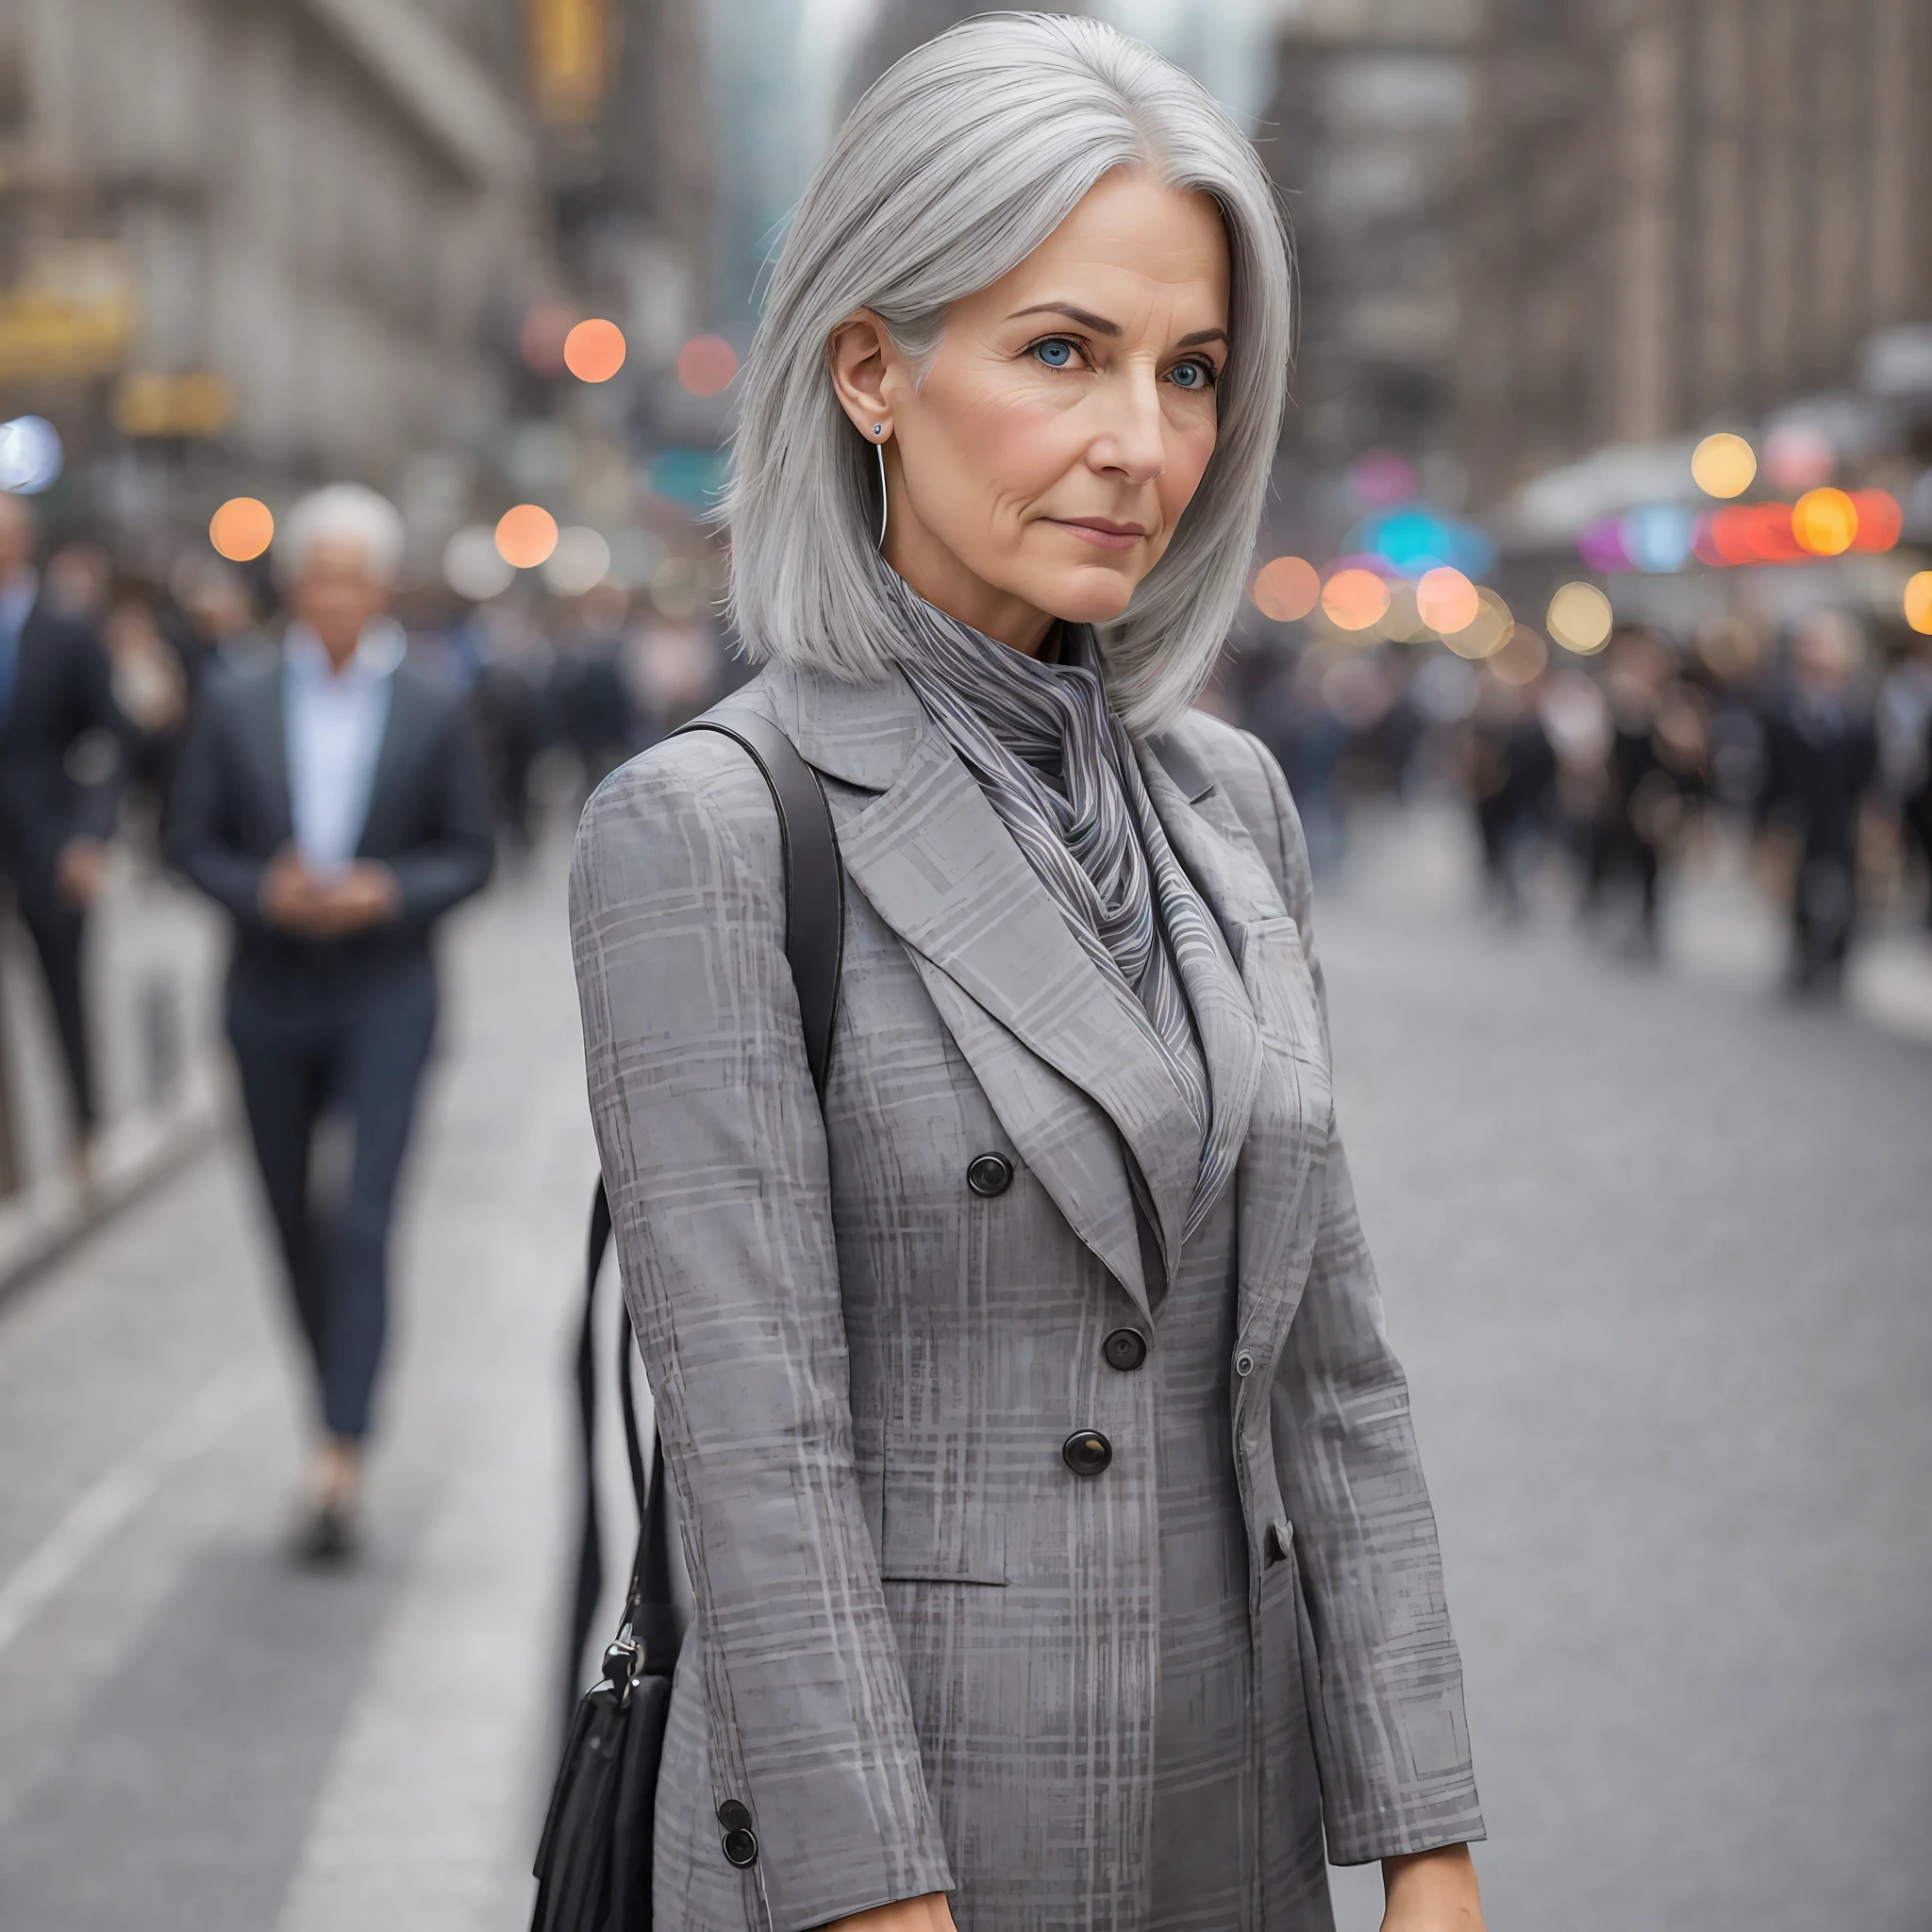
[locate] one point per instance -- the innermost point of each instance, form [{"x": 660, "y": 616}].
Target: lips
[{"x": 1102, "y": 531}]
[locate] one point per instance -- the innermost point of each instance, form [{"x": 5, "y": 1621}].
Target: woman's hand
[
  {"x": 1428, "y": 1891},
  {"x": 932, "y": 1913}
]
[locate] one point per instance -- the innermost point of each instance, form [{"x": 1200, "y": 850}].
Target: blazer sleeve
[
  {"x": 198, "y": 827},
  {"x": 454, "y": 862},
  {"x": 1383, "y": 1672},
  {"x": 714, "y": 1155}
]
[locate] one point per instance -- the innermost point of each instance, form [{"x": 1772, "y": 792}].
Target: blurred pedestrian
[
  {"x": 331, "y": 800},
  {"x": 1511, "y": 777},
  {"x": 595, "y": 710},
  {"x": 150, "y": 686},
  {"x": 1821, "y": 760},
  {"x": 1646, "y": 777},
  {"x": 61, "y": 769},
  {"x": 1905, "y": 749}
]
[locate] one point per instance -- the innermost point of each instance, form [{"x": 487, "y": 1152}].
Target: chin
[{"x": 1090, "y": 596}]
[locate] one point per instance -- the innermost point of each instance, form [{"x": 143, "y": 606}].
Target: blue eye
[
  {"x": 1193, "y": 375},
  {"x": 1055, "y": 352}
]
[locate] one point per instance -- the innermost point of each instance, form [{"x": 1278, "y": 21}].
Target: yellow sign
[
  {"x": 570, "y": 57},
  {"x": 150, "y": 404},
  {"x": 72, "y": 317}
]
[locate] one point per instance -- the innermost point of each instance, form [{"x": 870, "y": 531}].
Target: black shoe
[{"x": 324, "y": 1539}]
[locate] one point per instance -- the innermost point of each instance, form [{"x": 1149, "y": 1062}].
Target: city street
[{"x": 1657, "y": 1249}]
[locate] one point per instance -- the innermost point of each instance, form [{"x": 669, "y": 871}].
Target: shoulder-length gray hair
[{"x": 954, "y": 168}]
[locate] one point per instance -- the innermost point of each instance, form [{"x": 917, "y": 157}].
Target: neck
[{"x": 341, "y": 647}]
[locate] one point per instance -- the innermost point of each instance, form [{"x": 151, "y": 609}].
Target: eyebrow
[
  {"x": 1100, "y": 324},
  {"x": 1085, "y": 317}
]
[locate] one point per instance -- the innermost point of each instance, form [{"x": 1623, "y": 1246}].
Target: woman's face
[{"x": 1039, "y": 470}]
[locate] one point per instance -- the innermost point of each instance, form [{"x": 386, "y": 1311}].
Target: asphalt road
[{"x": 1657, "y": 1249}]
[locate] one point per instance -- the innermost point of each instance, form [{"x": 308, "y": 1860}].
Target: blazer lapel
[
  {"x": 1288, "y": 1120},
  {"x": 265, "y": 746},
  {"x": 936, "y": 864},
  {"x": 394, "y": 759}
]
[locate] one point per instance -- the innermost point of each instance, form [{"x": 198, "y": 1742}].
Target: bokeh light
[
  {"x": 1487, "y": 631},
  {"x": 525, "y": 535},
  {"x": 580, "y": 562},
  {"x": 593, "y": 350},
  {"x": 706, "y": 365},
  {"x": 241, "y": 529},
  {"x": 1380, "y": 478},
  {"x": 1824, "y": 521},
  {"x": 1522, "y": 658},
  {"x": 1580, "y": 617},
  {"x": 1919, "y": 602},
  {"x": 1880, "y": 519},
  {"x": 1799, "y": 456},
  {"x": 1354, "y": 599},
  {"x": 546, "y": 330},
  {"x": 1445, "y": 600},
  {"x": 1287, "y": 589},
  {"x": 30, "y": 456},
  {"x": 473, "y": 566},
  {"x": 1724, "y": 464}
]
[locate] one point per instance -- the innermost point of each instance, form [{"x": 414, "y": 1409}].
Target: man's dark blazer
[
  {"x": 428, "y": 818},
  {"x": 63, "y": 750}
]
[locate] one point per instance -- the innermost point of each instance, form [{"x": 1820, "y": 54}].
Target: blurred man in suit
[
  {"x": 1821, "y": 760},
  {"x": 62, "y": 767},
  {"x": 331, "y": 800}
]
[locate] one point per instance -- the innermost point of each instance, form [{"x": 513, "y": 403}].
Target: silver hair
[
  {"x": 956, "y": 165},
  {"x": 342, "y": 513}
]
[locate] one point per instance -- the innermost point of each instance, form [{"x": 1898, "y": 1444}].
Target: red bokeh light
[
  {"x": 543, "y": 336},
  {"x": 1880, "y": 520},
  {"x": 706, "y": 365}
]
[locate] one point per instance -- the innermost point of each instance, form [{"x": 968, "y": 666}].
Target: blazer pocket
[
  {"x": 1282, "y": 990},
  {"x": 940, "y": 1524}
]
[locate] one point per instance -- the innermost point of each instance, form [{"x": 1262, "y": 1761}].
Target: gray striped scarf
[{"x": 1059, "y": 770}]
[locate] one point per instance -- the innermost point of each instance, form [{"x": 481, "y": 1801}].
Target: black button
[
  {"x": 1086, "y": 1452},
  {"x": 741, "y": 1847},
  {"x": 734, "y": 1816},
  {"x": 1125, "y": 1349},
  {"x": 991, "y": 1174}
]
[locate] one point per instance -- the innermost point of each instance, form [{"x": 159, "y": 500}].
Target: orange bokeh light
[
  {"x": 526, "y": 536},
  {"x": 706, "y": 365},
  {"x": 241, "y": 529},
  {"x": 1354, "y": 599},
  {"x": 1288, "y": 587},
  {"x": 593, "y": 350},
  {"x": 1445, "y": 600},
  {"x": 1880, "y": 520},
  {"x": 1917, "y": 602},
  {"x": 1824, "y": 521}
]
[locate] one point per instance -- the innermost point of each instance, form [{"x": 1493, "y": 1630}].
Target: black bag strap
[{"x": 814, "y": 949}]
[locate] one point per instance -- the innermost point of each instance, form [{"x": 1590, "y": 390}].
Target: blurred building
[
  {"x": 302, "y": 227},
  {"x": 623, "y": 94},
  {"x": 1680, "y": 211},
  {"x": 1366, "y": 135}
]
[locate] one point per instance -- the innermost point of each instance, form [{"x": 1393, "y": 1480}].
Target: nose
[{"x": 1130, "y": 442}]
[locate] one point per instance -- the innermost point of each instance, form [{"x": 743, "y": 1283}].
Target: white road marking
[{"x": 197, "y": 1426}]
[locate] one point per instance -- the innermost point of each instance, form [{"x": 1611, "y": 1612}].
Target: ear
[{"x": 862, "y": 360}]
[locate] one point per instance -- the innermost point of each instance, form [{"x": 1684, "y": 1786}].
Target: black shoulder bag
[{"x": 593, "y": 1865}]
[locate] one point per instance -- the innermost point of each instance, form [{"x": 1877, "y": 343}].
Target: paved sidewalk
[{"x": 190, "y": 1735}]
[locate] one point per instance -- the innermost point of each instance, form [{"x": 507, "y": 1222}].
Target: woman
[{"x": 1046, "y": 1483}]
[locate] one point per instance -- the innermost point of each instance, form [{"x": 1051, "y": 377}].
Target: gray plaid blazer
[{"x": 925, "y": 1653}]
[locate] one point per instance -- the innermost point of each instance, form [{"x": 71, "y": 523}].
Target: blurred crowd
[
  {"x": 105, "y": 665},
  {"x": 1811, "y": 740}
]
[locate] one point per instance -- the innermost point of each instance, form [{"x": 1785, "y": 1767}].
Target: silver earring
[
  {"x": 878, "y": 428},
  {"x": 879, "y": 451}
]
